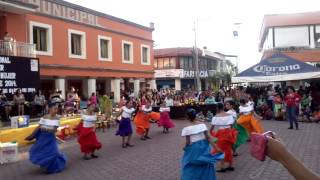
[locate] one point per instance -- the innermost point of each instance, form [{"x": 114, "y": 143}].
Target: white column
[
  {"x": 92, "y": 87},
  {"x": 115, "y": 88},
  {"x": 152, "y": 84},
  {"x": 177, "y": 84},
  {"x": 136, "y": 87},
  {"x": 312, "y": 42},
  {"x": 61, "y": 85}
]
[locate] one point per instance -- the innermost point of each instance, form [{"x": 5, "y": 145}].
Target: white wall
[{"x": 291, "y": 36}]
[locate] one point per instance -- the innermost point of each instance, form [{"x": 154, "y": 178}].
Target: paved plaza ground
[{"x": 159, "y": 158}]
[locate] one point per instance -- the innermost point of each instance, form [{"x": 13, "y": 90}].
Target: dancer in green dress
[{"x": 243, "y": 135}]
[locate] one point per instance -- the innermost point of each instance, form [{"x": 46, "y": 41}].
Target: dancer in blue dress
[
  {"x": 198, "y": 162},
  {"x": 125, "y": 128},
  {"x": 45, "y": 152}
]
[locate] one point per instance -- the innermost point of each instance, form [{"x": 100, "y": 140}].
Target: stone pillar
[
  {"x": 136, "y": 87},
  {"x": 177, "y": 84},
  {"x": 152, "y": 84},
  {"x": 60, "y": 84},
  {"x": 115, "y": 88},
  {"x": 92, "y": 87}
]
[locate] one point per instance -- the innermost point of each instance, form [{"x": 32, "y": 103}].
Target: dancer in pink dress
[{"x": 165, "y": 120}]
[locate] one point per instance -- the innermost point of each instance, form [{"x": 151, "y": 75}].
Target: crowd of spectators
[{"x": 269, "y": 101}]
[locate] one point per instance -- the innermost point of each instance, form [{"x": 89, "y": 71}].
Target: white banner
[
  {"x": 287, "y": 77},
  {"x": 169, "y": 73}
]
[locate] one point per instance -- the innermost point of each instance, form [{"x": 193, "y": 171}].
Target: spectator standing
[
  {"x": 19, "y": 101},
  {"x": 292, "y": 101},
  {"x": 93, "y": 99},
  {"x": 4, "y": 103},
  {"x": 39, "y": 102},
  {"x": 270, "y": 95},
  {"x": 169, "y": 101}
]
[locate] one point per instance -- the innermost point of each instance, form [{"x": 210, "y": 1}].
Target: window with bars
[
  {"x": 76, "y": 44},
  {"x": 40, "y": 38},
  {"x": 145, "y": 54},
  {"x": 126, "y": 52},
  {"x": 104, "y": 48}
]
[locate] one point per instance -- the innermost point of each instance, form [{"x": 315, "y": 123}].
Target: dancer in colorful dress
[
  {"x": 198, "y": 162},
  {"x": 142, "y": 121},
  {"x": 125, "y": 128},
  {"x": 45, "y": 151},
  {"x": 87, "y": 137},
  {"x": 222, "y": 129},
  {"x": 248, "y": 118},
  {"x": 242, "y": 135},
  {"x": 165, "y": 120}
]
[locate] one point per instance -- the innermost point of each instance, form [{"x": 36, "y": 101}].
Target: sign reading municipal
[{"x": 19, "y": 73}]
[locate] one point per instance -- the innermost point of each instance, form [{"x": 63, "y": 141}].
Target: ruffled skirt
[
  {"x": 165, "y": 120},
  {"x": 87, "y": 139},
  {"x": 198, "y": 163},
  {"x": 45, "y": 153},
  {"x": 142, "y": 122},
  {"x": 226, "y": 139},
  {"x": 125, "y": 128},
  {"x": 250, "y": 123}
]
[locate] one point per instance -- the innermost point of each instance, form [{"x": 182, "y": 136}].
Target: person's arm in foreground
[{"x": 278, "y": 152}]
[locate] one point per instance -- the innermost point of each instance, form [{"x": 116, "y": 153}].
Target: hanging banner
[{"x": 19, "y": 73}]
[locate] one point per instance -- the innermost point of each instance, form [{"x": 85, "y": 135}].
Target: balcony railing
[{"x": 12, "y": 48}]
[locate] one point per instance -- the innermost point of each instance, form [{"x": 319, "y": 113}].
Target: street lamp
[
  {"x": 198, "y": 82},
  {"x": 236, "y": 36}
]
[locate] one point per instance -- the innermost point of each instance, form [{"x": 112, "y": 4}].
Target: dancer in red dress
[
  {"x": 165, "y": 120},
  {"x": 86, "y": 135},
  {"x": 226, "y": 135}
]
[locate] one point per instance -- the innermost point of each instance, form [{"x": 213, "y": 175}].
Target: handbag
[{"x": 258, "y": 148}]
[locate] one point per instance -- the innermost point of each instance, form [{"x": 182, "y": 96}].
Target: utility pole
[
  {"x": 236, "y": 36},
  {"x": 198, "y": 81}
]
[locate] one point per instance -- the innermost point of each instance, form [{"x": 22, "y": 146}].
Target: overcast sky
[{"x": 174, "y": 20}]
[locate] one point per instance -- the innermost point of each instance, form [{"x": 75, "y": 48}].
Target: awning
[{"x": 278, "y": 67}]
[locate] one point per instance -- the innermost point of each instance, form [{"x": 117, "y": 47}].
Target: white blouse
[
  {"x": 88, "y": 120},
  {"x": 169, "y": 102},
  {"x": 127, "y": 113},
  {"x": 233, "y": 113},
  {"x": 49, "y": 124},
  {"x": 222, "y": 122},
  {"x": 245, "y": 109},
  {"x": 196, "y": 132},
  {"x": 146, "y": 110},
  {"x": 164, "y": 109}
]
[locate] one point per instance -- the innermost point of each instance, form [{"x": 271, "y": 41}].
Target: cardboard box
[
  {"x": 20, "y": 121},
  {"x": 8, "y": 153}
]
